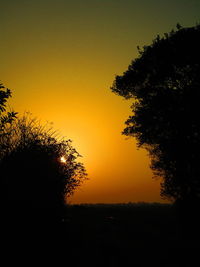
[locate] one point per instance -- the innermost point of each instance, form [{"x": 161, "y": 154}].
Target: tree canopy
[{"x": 164, "y": 82}]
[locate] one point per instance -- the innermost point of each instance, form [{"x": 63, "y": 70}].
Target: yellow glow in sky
[{"x": 60, "y": 58}]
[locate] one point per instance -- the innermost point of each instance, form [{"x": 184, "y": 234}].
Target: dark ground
[{"x": 100, "y": 235}]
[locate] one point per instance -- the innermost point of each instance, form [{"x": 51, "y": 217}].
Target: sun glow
[
  {"x": 60, "y": 67},
  {"x": 63, "y": 159}
]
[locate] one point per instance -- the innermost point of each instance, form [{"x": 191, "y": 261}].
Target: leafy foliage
[
  {"x": 32, "y": 172},
  {"x": 5, "y": 117},
  {"x": 164, "y": 82}
]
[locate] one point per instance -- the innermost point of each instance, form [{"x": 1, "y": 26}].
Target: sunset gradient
[{"x": 60, "y": 58}]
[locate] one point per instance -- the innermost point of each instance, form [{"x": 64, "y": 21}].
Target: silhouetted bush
[{"x": 38, "y": 170}]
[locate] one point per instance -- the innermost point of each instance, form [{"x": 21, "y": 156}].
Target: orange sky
[{"x": 60, "y": 58}]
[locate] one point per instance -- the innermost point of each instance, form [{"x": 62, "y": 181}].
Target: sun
[{"x": 63, "y": 159}]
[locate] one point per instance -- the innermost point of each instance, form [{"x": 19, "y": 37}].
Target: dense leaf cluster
[{"x": 5, "y": 117}]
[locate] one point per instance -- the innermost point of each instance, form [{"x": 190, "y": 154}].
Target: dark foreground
[{"x": 100, "y": 235}]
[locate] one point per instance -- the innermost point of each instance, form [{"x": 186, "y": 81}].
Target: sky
[{"x": 60, "y": 58}]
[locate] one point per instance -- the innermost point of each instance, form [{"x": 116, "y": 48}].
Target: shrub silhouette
[
  {"x": 32, "y": 173},
  {"x": 164, "y": 82}
]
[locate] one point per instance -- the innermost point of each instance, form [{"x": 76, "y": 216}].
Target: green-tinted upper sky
[{"x": 60, "y": 58}]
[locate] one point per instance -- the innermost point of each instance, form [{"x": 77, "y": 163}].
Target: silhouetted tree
[
  {"x": 38, "y": 170},
  {"x": 164, "y": 82}
]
